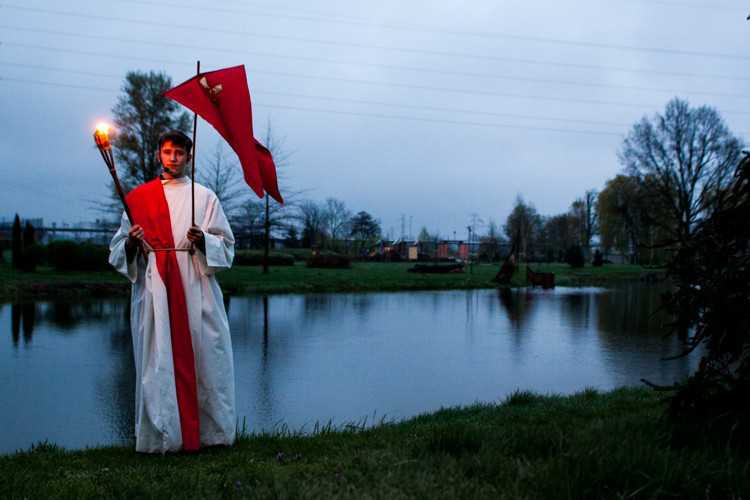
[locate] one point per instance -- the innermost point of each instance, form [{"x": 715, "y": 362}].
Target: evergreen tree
[
  {"x": 17, "y": 244},
  {"x": 29, "y": 235},
  {"x": 142, "y": 114},
  {"x": 711, "y": 305}
]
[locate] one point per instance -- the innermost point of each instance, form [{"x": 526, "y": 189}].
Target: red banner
[{"x": 222, "y": 99}]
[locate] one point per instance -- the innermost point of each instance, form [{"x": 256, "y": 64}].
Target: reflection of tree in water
[
  {"x": 116, "y": 390},
  {"x": 28, "y": 314},
  {"x": 632, "y": 310},
  {"x": 362, "y": 303},
  {"x": 265, "y": 404},
  {"x": 518, "y": 304},
  {"x": 15, "y": 322},
  {"x": 67, "y": 313},
  {"x": 316, "y": 303},
  {"x": 577, "y": 308},
  {"x": 630, "y": 323},
  {"x": 250, "y": 326},
  {"x": 63, "y": 315},
  {"x": 22, "y": 318}
]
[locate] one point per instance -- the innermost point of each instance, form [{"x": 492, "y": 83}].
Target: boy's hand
[
  {"x": 135, "y": 237},
  {"x": 195, "y": 235}
]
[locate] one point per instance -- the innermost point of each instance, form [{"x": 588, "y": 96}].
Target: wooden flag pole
[
  {"x": 195, "y": 130},
  {"x": 192, "y": 163}
]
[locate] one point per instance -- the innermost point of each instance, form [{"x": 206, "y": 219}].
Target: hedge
[
  {"x": 329, "y": 261},
  {"x": 255, "y": 258}
]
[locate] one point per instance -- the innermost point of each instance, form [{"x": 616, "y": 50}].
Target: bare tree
[
  {"x": 688, "y": 155},
  {"x": 629, "y": 215},
  {"x": 310, "y": 214},
  {"x": 277, "y": 214},
  {"x": 248, "y": 223},
  {"x": 523, "y": 227},
  {"x": 558, "y": 235},
  {"x": 489, "y": 244},
  {"x": 220, "y": 173},
  {"x": 336, "y": 217},
  {"x": 583, "y": 217}
]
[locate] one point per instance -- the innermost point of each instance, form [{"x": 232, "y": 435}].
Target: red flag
[{"x": 223, "y": 100}]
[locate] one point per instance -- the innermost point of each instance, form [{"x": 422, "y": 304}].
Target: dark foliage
[
  {"x": 712, "y": 305},
  {"x": 364, "y": 226},
  {"x": 17, "y": 244},
  {"x": 254, "y": 258},
  {"x": 329, "y": 261},
  {"x": 574, "y": 257},
  {"x": 70, "y": 256},
  {"x": 32, "y": 256},
  {"x": 142, "y": 114},
  {"x": 598, "y": 260},
  {"x": 29, "y": 235}
]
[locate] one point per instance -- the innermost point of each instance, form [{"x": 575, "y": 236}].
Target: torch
[{"x": 101, "y": 137}]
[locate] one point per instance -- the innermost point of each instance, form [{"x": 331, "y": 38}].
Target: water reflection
[
  {"x": 69, "y": 372},
  {"x": 71, "y": 380}
]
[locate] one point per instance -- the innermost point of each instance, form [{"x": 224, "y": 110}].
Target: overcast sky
[{"x": 421, "y": 113}]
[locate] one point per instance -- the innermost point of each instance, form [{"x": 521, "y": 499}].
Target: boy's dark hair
[{"x": 177, "y": 138}]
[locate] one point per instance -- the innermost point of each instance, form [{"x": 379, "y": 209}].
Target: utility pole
[{"x": 471, "y": 260}]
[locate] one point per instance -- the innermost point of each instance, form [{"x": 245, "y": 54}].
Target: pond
[{"x": 68, "y": 376}]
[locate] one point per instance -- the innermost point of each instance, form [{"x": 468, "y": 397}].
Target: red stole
[{"x": 150, "y": 210}]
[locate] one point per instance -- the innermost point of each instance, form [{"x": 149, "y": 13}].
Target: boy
[{"x": 181, "y": 342}]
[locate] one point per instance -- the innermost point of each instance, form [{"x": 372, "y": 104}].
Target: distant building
[{"x": 99, "y": 232}]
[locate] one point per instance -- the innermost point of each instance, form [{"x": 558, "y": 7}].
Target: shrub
[
  {"x": 574, "y": 257},
  {"x": 70, "y": 256},
  {"x": 64, "y": 255},
  {"x": 95, "y": 257},
  {"x": 29, "y": 235},
  {"x": 329, "y": 261},
  {"x": 598, "y": 261},
  {"x": 32, "y": 256},
  {"x": 255, "y": 258}
]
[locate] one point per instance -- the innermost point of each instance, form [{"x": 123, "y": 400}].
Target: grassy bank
[
  {"x": 364, "y": 276},
  {"x": 590, "y": 445}
]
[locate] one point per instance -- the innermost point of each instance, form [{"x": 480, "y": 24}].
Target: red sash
[{"x": 149, "y": 208}]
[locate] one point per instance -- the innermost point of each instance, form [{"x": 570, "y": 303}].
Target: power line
[
  {"x": 339, "y": 99},
  {"x": 396, "y": 67},
  {"x": 204, "y": 29},
  {"x": 449, "y": 122},
  {"x": 357, "y": 113},
  {"x": 391, "y": 84}
]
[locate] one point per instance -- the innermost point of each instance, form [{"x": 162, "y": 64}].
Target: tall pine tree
[{"x": 17, "y": 244}]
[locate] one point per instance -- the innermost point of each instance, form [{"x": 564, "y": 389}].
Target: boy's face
[{"x": 174, "y": 159}]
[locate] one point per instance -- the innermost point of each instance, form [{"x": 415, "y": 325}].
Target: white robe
[{"x": 157, "y": 421}]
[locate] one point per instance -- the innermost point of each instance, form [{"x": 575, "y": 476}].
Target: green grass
[
  {"x": 363, "y": 277},
  {"x": 617, "y": 444}
]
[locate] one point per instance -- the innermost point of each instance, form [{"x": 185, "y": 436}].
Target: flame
[
  {"x": 102, "y": 128},
  {"x": 101, "y": 136}
]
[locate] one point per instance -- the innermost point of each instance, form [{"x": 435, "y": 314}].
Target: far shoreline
[{"x": 242, "y": 280}]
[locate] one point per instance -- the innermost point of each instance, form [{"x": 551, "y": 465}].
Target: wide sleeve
[
  {"x": 117, "y": 257},
  {"x": 219, "y": 240}
]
